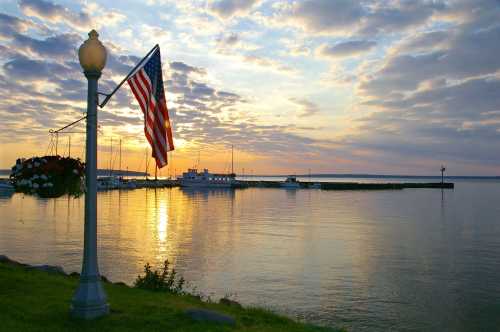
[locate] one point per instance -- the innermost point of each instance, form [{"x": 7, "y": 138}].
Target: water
[{"x": 411, "y": 260}]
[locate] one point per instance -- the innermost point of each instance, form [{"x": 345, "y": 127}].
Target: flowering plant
[{"x": 49, "y": 176}]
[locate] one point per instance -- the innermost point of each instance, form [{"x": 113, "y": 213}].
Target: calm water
[{"x": 412, "y": 260}]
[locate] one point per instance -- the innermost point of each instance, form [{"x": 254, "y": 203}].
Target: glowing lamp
[{"x": 92, "y": 54}]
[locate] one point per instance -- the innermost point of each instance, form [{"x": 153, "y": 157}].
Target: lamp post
[{"x": 89, "y": 300}]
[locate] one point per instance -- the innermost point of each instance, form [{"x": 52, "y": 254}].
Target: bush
[{"x": 160, "y": 280}]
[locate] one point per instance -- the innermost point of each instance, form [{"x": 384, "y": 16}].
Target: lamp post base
[{"x": 89, "y": 301}]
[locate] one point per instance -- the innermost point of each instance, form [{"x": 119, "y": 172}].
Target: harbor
[
  {"x": 106, "y": 184},
  {"x": 250, "y": 166}
]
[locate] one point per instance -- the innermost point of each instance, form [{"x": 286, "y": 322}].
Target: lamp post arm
[
  {"x": 52, "y": 131},
  {"x": 108, "y": 96}
]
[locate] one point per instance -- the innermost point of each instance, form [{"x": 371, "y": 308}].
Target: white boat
[
  {"x": 291, "y": 183},
  {"x": 193, "y": 178}
]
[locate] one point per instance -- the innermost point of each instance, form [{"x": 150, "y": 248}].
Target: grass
[{"x": 32, "y": 300}]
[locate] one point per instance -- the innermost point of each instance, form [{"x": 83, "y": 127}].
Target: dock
[
  {"x": 353, "y": 185},
  {"x": 306, "y": 185}
]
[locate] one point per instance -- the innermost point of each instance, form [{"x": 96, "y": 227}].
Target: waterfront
[{"x": 416, "y": 259}]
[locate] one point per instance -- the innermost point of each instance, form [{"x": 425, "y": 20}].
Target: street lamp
[{"x": 89, "y": 300}]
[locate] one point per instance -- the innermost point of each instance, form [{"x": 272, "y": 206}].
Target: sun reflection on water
[{"x": 162, "y": 222}]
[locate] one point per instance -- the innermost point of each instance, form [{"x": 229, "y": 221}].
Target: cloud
[
  {"x": 307, "y": 108},
  {"x": 332, "y": 16},
  {"x": 355, "y": 17},
  {"x": 225, "y": 9},
  {"x": 269, "y": 63},
  {"x": 398, "y": 16},
  {"x": 22, "y": 68},
  {"x": 229, "y": 40},
  {"x": 59, "y": 46},
  {"x": 471, "y": 53},
  {"x": 425, "y": 42},
  {"x": 346, "y": 49},
  {"x": 469, "y": 100},
  {"x": 427, "y": 90},
  {"x": 186, "y": 69},
  {"x": 11, "y": 25},
  {"x": 7, "y": 52},
  {"x": 50, "y": 12},
  {"x": 434, "y": 95}
]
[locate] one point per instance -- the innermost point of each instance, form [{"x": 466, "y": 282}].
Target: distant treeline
[
  {"x": 386, "y": 176},
  {"x": 100, "y": 172}
]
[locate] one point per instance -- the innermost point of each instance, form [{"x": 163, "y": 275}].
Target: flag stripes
[{"x": 147, "y": 86}]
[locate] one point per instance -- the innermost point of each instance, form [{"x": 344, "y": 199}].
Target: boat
[
  {"x": 6, "y": 189},
  {"x": 315, "y": 185},
  {"x": 5, "y": 186},
  {"x": 108, "y": 182},
  {"x": 193, "y": 178},
  {"x": 291, "y": 183}
]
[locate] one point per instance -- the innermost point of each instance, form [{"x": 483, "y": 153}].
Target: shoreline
[{"x": 37, "y": 298}]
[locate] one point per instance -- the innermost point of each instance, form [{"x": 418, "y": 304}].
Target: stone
[
  {"x": 48, "y": 268},
  {"x": 230, "y": 302},
  {"x": 5, "y": 259},
  {"x": 205, "y": 315}
]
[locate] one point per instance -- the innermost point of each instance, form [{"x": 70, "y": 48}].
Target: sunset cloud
[{"x": 354, "y": 86}]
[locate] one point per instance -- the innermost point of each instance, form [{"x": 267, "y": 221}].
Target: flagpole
[{"x": 108, "y": 96}]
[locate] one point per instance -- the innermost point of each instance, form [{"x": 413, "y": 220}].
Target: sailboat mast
[
  {"x": 147, "y": 164},
  {"x": 232, "y": 159},
  {"x": 120, "y": 156},
  {"x": 171, "y": 162},
  {"x": 111, "y": 156}
]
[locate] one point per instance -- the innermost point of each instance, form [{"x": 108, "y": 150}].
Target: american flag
[{"x": 147, "y": 85}]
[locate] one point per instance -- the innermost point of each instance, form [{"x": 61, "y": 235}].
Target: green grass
[{"x": 38, "y": 301}]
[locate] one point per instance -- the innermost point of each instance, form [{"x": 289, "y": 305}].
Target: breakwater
[
  {"x": 305, "y": 185},
  {"x": 352, "y": 185}
]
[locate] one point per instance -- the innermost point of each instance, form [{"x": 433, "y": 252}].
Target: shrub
[{"x": 164, "y": 280}]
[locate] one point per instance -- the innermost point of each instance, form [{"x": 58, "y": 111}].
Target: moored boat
[
  {"x": 193, "y": 178},
  {"x": 291, "y": 183},
  {"x": 6, "y": 189}
]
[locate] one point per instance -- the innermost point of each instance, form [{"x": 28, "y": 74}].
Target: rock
[
  {"x": 74, "y": 274},
  {"x": 48, "y": 268},
  {"x": 5, "y": 259},
  {"x": 204, "y": 315},
  {"x": 121, "y": 283},
  {"x": 104, "y": 279},
  {"x": 230, "y": 303}
]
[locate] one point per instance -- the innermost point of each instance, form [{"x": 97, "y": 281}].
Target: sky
[{"x": 330, "y": 86}]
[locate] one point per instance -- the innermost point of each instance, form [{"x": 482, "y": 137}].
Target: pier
[
  {"x": 241, "y": 184},
  {"x": 352, "y": 185}
]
